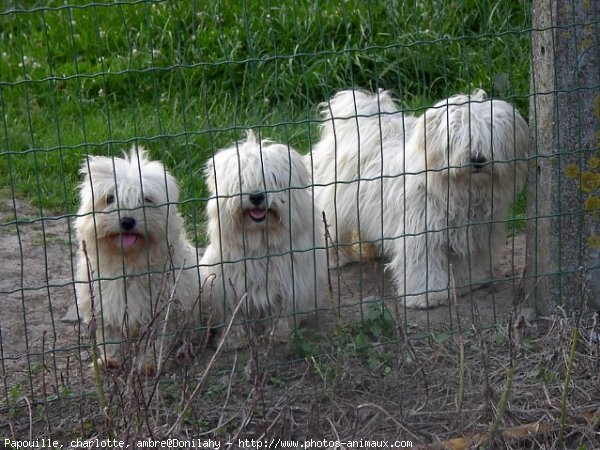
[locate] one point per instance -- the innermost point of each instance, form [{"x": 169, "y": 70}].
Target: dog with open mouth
[
  {"x": 135, "y": 266},
  {"x": 266, "y": 249}
]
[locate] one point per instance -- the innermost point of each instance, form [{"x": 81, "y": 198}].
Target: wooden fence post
[{"x": 563, "y": 233}]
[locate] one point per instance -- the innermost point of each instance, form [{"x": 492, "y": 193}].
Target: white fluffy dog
[
  {"x": 266, "y": 248},
  {"x": 137, "y": 259},
  {"x": 432, "y": 191}
]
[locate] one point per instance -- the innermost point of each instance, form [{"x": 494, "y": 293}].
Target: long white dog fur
[
  {"x": 266, "y": 241},
  {"x": 432, "y": 191},
  {"x": 138, "y": 265}
]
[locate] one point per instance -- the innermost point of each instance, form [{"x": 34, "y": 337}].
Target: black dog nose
[
  {"x": 478, "y": 161},
  {"x": 127, "y": 223},
  {"x": 257, "y": 199}
]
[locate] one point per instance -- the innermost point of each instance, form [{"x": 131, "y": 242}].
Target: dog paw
[
  {"x": 108, "y": 363},
  {"x": 426, "y": 301}
]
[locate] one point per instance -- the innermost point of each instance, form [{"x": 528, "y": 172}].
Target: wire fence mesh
[{"x": 397, "y": 222}]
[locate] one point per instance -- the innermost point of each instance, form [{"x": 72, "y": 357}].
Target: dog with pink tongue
[
  {"x": 266, "y": 255},
  {"x": 137, "y": 273}
]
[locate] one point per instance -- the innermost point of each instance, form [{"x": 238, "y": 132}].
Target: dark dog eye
[
  {"x": 110, "y": 199},
  {"x": 148, "y": 200}
]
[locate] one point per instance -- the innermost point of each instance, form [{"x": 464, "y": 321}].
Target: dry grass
[
  {"x": 507, "y": 387},
  {"x": 377, "y": 375}
]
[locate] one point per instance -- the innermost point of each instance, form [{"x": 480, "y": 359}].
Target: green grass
[{"x": 185, "y": 77}]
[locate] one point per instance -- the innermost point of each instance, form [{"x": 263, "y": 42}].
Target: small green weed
[
  {"x": 364, "y": 338},
  {"x": 15, "y": 394}
]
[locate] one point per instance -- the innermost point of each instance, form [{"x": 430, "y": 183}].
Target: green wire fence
[{"x": 185, "y": 79}]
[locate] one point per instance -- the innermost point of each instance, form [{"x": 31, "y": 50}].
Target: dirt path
[
  {"x": 36, "y": 285},
  {"x": 36, "y": 291}
]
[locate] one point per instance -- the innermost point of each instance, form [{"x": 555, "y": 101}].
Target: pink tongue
[
  {"x": 257, "y": 213},
  {"x": 128, "y": 239}
]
